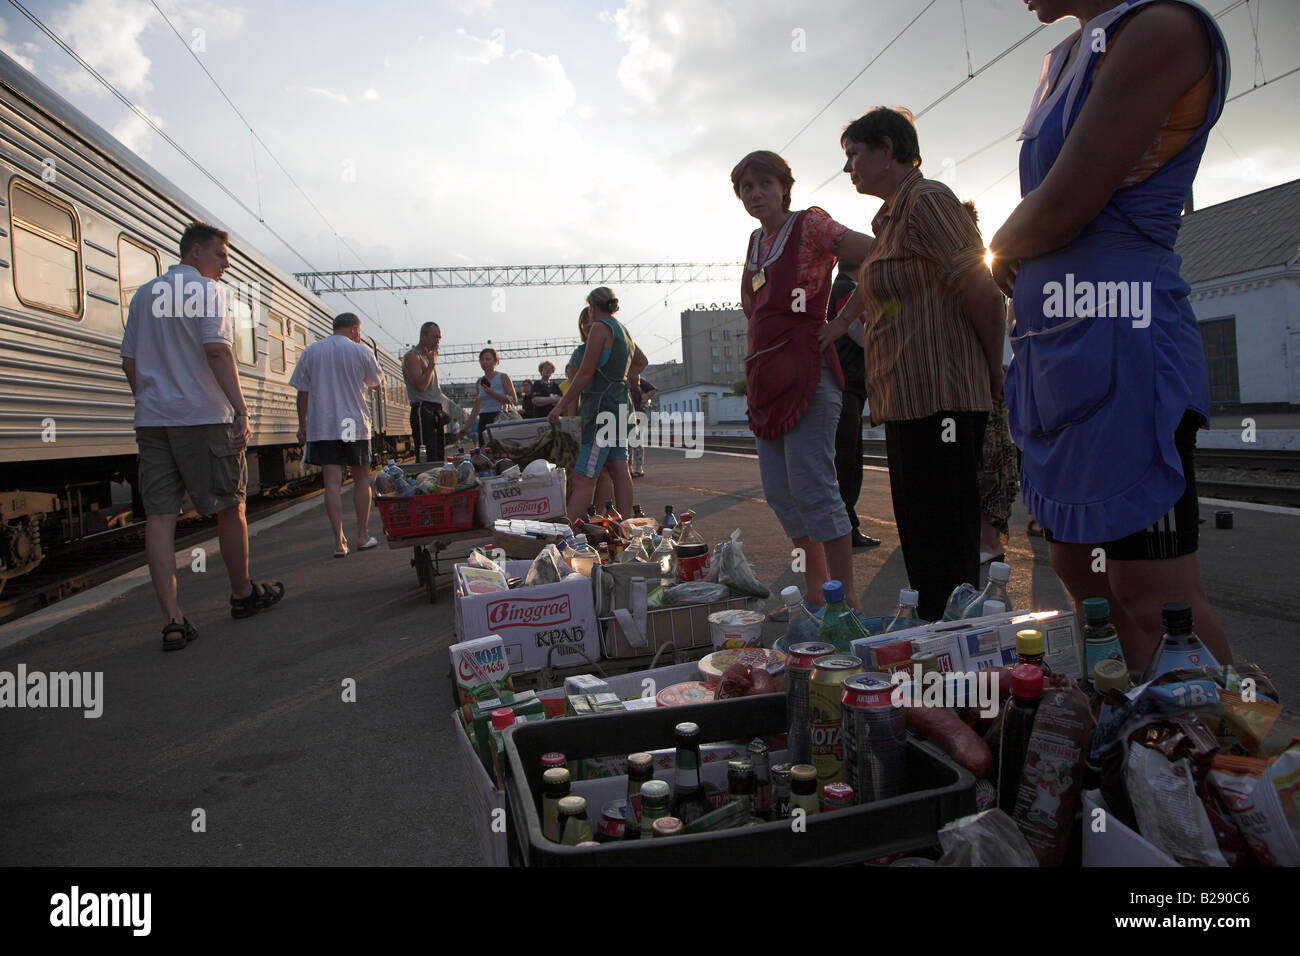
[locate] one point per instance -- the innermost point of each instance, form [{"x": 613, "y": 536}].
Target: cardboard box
[
  {"x": 1116, "y": 844},
  {"x": 531, "y": 497},
  {"x": 683, "y": 627},
  {"x": 533, "y": 621}
]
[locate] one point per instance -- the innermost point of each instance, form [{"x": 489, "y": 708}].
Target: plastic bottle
[
  {"x": 803, "y": 625},
  {"x": 666, "y": 557},
  {"x": 905, "y": 614},
  {"x": 669, "y": 521},
  {"x": 585, "y": 557},
  {"x": 1101, "y": 640},
  {"x": 447, "y": 478},
  {"x": 994, "y": 608},
  {"x": 999, "y": 575},
  {"x": 692, "y": 551},
  {"x": 1017, "y": 725},
  {"x": 400, "y": 483},
  {"x": 611, "y": 513},
  {"x": 1179, "y": 647},
  {"x": 1109, "y": 674},
  {"x": 840, "y": 625},
  {"x": 959, "y": 600},
  {"x": 566, "y": 555},
  {"x": 1030, "y": 648}
]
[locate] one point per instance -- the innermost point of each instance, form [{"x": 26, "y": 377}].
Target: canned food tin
[
  {"x": 612, "y": 821},
  {"x": 874, "y": 734},
  {"x": 824, "y": 690},
  {"x": 836, "y": 796},
  {"x": 798, "y": 671}
]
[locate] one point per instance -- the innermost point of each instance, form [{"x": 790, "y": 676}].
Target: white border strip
[
  {"x": 1250, "y": 506},
  {"x": 94, "y": 598}
]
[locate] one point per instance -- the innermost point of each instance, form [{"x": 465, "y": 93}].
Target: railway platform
[{"x": 317, "y": 732}]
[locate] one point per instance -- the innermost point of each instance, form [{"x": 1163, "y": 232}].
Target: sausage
[{"x": 949, "y": 731}]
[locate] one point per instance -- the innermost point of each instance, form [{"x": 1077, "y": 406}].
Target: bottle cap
[
  {"x": 743, "y": 765},
  {"x": 579, "y": 540},
  {"x": 640, "y": 763},
  {"x": 1096, "y": 609},
  {"x": 1026, "y": 681},
  {"x": 668, "y": 509},
  {"x": 791, "y": 596},
  {"x": 553, "y": 759},
  {"x": 502, "y": 718},
  {"x": 573, "y": 806},
  {"x": 1177, "y": 618},
  {"x": 803, "y": 771},
  {"x": 992, "y": 607},
  {"x": 687, "y": 729},
  {"x": 666, "y": 827},
  {"x": 1000, "y": 572},
  {"x": 1030, "y": 643},
  {"x": 1110, "y": 674},
  {"x": 832, "y": 591},
  {"x": 556, "y": 777},
  {"x": 909, "y": 598},
  {"x": 655, "y": 790}
]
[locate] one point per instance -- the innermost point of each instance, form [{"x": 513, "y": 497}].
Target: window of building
[
  {"x": 715, "y": 353},
  {"x": 717, "y": 369},
  {"x": 275, "y": 342},
  {"x": 1219, "y": 337},
  {"x": 47, "y": 251},
  {"x": 714, "y": 335},
  {"x": 136, "y": 265}
]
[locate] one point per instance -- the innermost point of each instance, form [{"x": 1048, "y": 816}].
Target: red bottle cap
[
  {"x": 502, "y": 718},
  {"x": 1027, "y": 681}
]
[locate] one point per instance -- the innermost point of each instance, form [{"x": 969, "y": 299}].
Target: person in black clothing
[
  {"x": 545, "y": 394},
  {"x": 848, "y": 435}
]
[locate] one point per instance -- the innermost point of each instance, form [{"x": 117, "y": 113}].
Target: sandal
[
  {"x": 368, "y": 544},
  {"x": 187, "y": 631},
  {"x": 1034, "y": 529},
  {"x": 261, "y": 597}
]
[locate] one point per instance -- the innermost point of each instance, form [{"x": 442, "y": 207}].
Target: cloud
[
  {"x": 370, "y": 94},
  {"x": 135, "y": 134},
  {"x": 340, "y": 98},
  {"x": 26, "y": 62},
  {"x": 106, "y": 34}
]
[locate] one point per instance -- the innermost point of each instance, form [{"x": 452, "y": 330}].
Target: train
[{"x": 83, "y": 223}]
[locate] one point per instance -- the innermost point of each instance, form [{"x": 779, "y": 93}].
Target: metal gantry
[{"x": 483, "y": 277}]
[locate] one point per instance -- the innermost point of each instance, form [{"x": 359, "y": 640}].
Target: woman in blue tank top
[
  {"x": 494, "y": 390},
  {"x": 1108, "y": 382}
]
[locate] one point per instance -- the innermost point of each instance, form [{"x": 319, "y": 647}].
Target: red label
[
  {"x": 526, "y": 508},
  {"x": 529, "y": 612}
]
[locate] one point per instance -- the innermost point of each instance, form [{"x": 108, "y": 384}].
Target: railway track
[
  {"x": 79, "y": 565},
  {"x": 1261, "y": 477}
]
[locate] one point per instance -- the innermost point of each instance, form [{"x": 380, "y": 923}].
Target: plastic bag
[
  {"x": 990, "y": 838},
  {"x": 728, "y": 566},
  {"x": 696, "y": 592},
  {"x": 545, "y": 568},
  {"x": 477, "y": 559}
]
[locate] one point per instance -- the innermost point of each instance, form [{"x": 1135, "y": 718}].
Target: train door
[{"x": 379, "y": 428}]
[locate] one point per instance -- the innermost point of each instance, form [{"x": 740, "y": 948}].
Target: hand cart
[{"x": 432, "y": 549}]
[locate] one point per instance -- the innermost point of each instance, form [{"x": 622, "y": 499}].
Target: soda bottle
[
  {"x": 637, "y": 512},
  {"x": 840, "y": 625},
  {"x": 905, "y": 614},
  {"x": 611, "y": 513},
  {"x": 803, "y": 625},
  {"x": 996, "y": 589},
  {"x": 1101, "y": 640},
  {"x": 1179, "y": 647},
  {"x": 689, "y": 800},
  {"x": 692, "y": 551},
  {"x": 1017, "y": 725},
  {"x": 1030, "y": 648}
]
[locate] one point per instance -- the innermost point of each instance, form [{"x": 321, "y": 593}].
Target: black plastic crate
[{"x": 942, "y": 792}]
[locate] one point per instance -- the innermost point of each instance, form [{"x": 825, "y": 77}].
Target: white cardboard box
[
  {"x": 976, "y": 640},
  {"x": 533, "y": 620},
  {"x": 526, "y": 497},
  {"x": 1115, "y": 844}
]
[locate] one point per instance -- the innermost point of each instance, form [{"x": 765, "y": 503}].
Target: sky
[{"x": 485, "y": 132}]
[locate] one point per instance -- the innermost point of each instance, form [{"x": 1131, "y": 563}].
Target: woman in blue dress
[{"x": 1108, "y": 383}]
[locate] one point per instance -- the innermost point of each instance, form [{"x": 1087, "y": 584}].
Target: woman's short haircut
[
  {"x": 896, "y": 123},
  {"x": 604, "y": 299},
  {"x": 489, "y": 351},
  {"x": 765, "y": 161},
  {"x": 541, "y": 369}
]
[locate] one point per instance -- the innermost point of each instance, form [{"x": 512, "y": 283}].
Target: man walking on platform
[
  {"x": 848, "y": 434},
  {"x": 334, "y": 420},
  {"x": 428, "y": 417},
  {"x": 191, "y": 422}
]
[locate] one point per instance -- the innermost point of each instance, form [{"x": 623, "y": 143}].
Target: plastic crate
[
  {"x": 427, "y": 514},
  {"x": 685, "y": 627},
  {"x": 943, "y": 792}
]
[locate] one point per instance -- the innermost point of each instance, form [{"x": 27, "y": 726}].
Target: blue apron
[{"x": 1107, "y": 352}]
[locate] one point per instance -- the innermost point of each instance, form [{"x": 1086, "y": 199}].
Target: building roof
[{"x": 1251, "y": 232}]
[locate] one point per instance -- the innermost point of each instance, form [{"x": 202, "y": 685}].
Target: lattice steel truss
[{"x": 482, "y": 277}]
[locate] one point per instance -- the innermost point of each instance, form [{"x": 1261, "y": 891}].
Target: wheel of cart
[{"x": 431, "y": 525}]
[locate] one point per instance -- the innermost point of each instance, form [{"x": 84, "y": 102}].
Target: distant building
[
  {"x": 715, "y": 402},
  {"x": 713, "y": 344},
  {"x": 1242, "y": 261},
  {"x": 666, "y": 375}
]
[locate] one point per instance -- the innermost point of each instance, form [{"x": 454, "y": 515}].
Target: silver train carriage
[{"x": 83, "y": 223}]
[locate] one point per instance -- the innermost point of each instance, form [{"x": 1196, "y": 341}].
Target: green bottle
[
  {"x": 1100, "y": 639},
  {"x": 840, "y": 624}
]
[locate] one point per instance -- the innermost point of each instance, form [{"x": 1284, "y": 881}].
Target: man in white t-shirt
[
  {"x": 334, "y": 420},
  {"x": 191, "y": 422}
]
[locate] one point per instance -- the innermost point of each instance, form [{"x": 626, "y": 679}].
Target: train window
[
  {"x": 136, "y": 265},
  {"x": 275, "y": 342},
  {"x": 241, "y": 313},
  {"x": 47, "y": 251}
]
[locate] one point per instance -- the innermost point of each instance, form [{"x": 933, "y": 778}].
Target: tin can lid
[
  {"x": 803, "y": 655},
  {"x": 868, "y": 690},
  {"x": 836, "y": 662}
]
